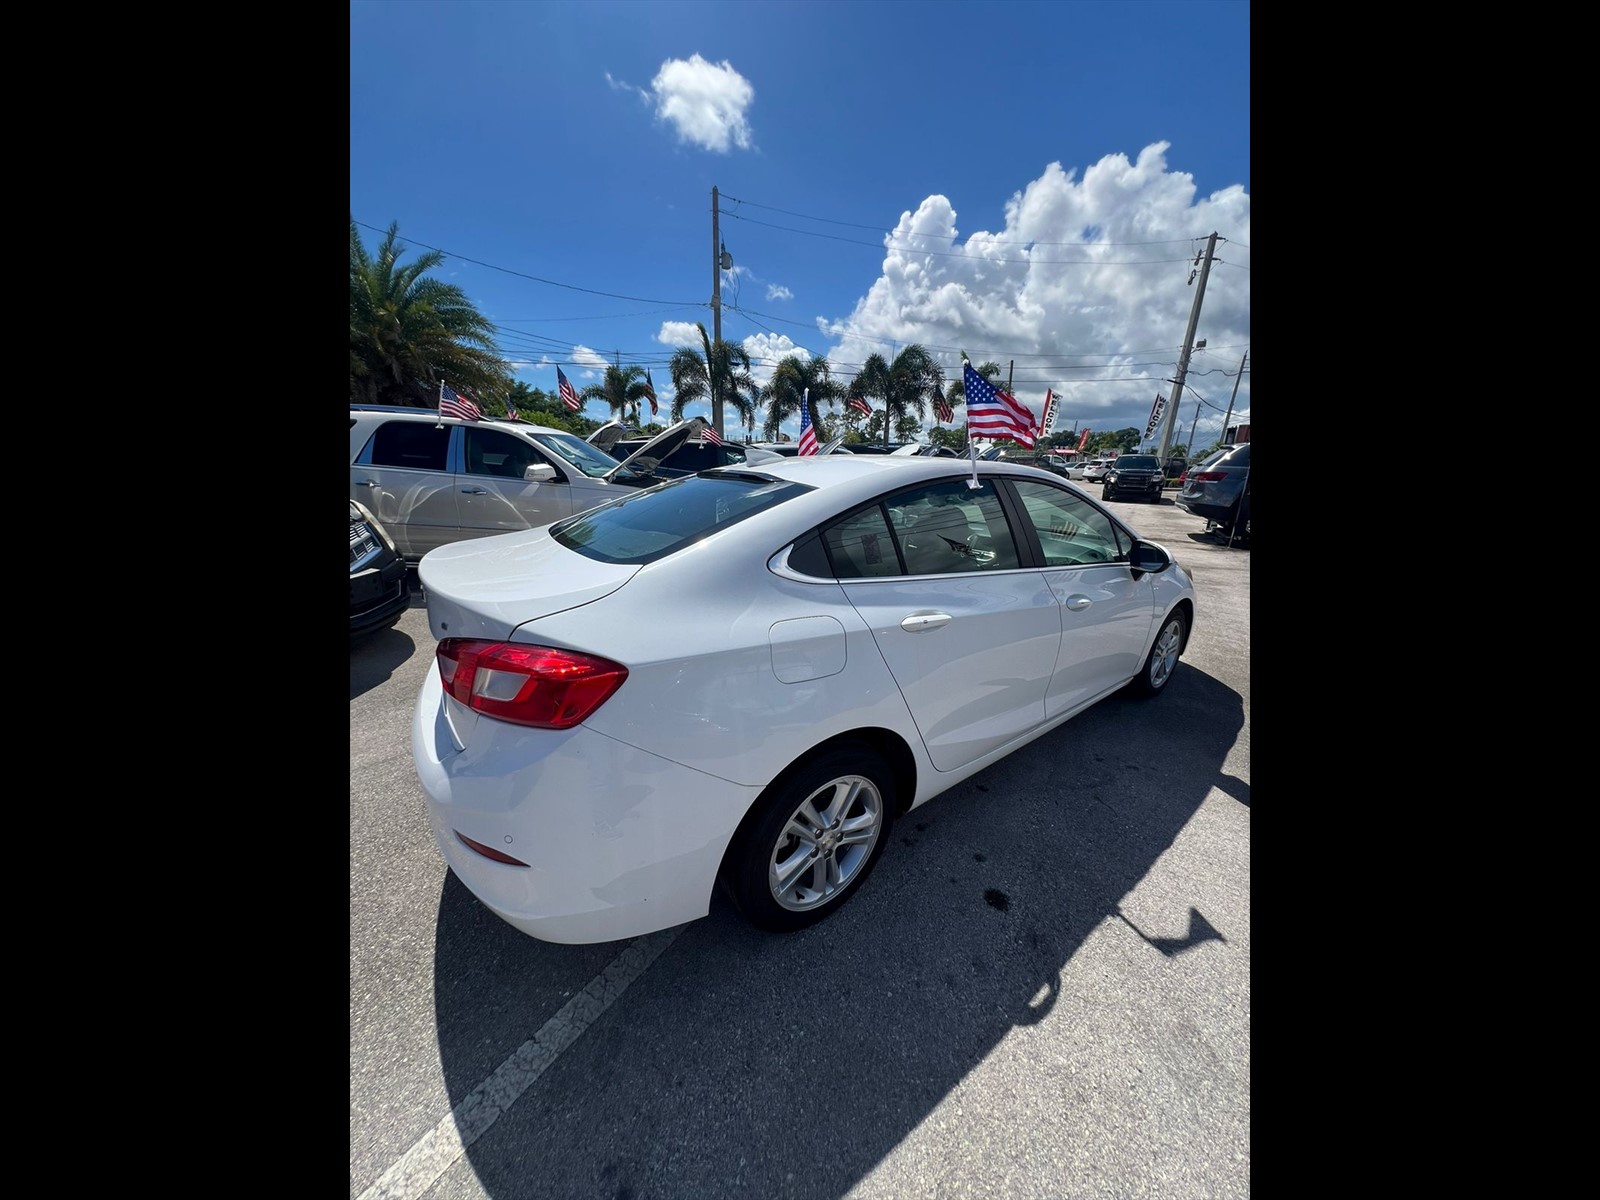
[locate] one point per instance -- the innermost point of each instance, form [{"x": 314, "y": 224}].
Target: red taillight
[
  {"x": 1208, "y": 476},
  {"x": 527, "y": 685}
]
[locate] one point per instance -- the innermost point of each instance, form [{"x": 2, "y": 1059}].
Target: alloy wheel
[{"x": 825, "y": 843}]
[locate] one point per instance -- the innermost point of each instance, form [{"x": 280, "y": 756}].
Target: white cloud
[
  {"x": 704, "y": 102},
  {"x": 679, "y": 333},
  {"x": 776, "y": 291},
  {"x": 619, "y": 85},
  {"x": 767, "y": 350},
  {"x": 593, "y": 360},
  {"x": 1099, "y": 318}
]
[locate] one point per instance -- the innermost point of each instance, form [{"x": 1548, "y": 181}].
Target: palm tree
[
  {"x": 409, "y": 332},
  {"x": 621, "y": 386},
  {"x": 726, "y": 363},
  {"x": 794, "y": 377},
  {"x": 905, "y": 386}
]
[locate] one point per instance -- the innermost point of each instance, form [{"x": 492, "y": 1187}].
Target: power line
[
  {"x": 536, "y": 279},
  {"x": 1025, "y": 262},
  {"x": 1000, "y": 241}
]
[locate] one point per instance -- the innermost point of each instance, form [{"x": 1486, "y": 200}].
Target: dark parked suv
[
  {"x": 1219, "y": 490},
  {"x": 1133, "y": 477},
  {"x": 378, "y": 589}
]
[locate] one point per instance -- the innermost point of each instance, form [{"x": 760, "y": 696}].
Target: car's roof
[
  {"x": 829, "y": 470},
  {"x": 432, "y": 417}
]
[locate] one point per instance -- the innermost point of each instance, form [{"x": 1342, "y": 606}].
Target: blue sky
[{"x": 1029, "y": 182}]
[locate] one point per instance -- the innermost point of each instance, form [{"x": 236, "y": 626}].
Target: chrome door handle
[
  {"x": 918, "y": 622},
  {"x": 1078, "y": 603},
  {"x": 475, "y": 491},
  {"x": 366, "y": 483}
]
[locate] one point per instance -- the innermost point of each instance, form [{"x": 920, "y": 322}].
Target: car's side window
[
  {"x": 411, "y": 444},
  {"x": 1072, "y": 532},
  {"x": 861, "y": 547},
  {"x": 949, "y": 528},
  {"x": 491, "y": 452}
]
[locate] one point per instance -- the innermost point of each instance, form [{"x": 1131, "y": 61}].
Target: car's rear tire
[
  {"x": 1162, "y": 660},
  {"x": 812, "y": 838}
]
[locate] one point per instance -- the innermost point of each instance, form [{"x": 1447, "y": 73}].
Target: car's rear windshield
[
  {"x": 1136, "y": 462},
  {"x": 649, "y": 525}
]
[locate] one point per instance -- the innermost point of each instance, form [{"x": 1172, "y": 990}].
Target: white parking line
[{"x": 419, "y": 1168}]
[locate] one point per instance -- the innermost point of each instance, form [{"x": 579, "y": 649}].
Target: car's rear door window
[
  {"x": 944, "y": 528},
  {"x": 412, "y": 444}
]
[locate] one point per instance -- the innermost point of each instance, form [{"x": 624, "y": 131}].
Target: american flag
[
  {"x": 568, "y": 396},
  {"x": 511, "y": 412},
  {"x": 650, "y": 391},
  {"x": 860, "y": 405},
  {"x": 452, "y": 405},
  {"x": 709, "y": 434},
  {"x": 992, "y": 413},
  {"x": 808, "y": 436},
  {"x": 942, "y": 409}
]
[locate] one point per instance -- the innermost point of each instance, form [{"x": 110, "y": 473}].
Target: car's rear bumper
[
  {"x": 618, "y": 842},
  {"x": 1203, "y": 508}
]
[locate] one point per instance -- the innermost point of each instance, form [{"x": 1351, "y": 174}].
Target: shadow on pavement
[{"x": 747, "y": 1064}]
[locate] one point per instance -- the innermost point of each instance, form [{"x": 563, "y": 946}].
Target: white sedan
[{"x": 745, "y": 676}]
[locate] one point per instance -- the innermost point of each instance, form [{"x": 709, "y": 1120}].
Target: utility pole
[
  {"x": 1231, "y": 399},
  {"x": 1188, "y": 348},
  {"x": 716, "y": 314}
]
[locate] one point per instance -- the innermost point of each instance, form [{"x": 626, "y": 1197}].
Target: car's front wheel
[
  {"x": 812, "y": 839},
  {"x": 1105, "y": 493},
  {"x": 1162, "y": 660}
]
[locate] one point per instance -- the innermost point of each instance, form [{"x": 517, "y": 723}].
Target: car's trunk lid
[{"x": 486, "y": 587}]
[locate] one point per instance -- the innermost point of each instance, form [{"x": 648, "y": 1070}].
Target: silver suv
[{"x": 433, "y": 480}]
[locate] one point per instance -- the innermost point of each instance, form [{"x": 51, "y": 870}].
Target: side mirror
[
  {"x": 538, "y": 473},
  {"x": 1148, "y": 558}
]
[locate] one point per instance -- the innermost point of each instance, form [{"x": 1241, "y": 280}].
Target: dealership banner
[
  {"x": 1155, "y": 415},
  {"x": 1052, "y": 402}
]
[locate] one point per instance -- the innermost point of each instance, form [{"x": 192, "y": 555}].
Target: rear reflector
[
  {"x": 539, "y": 686},
  {"x": 486, "y": 851}
]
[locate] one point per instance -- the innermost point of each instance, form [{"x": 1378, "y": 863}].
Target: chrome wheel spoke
[
  {"x": 787, "y": 874},
  {"x": 800, "y": 831},
  {"x": 859, "y": 830},
  {"x": 844, "y": 796}
]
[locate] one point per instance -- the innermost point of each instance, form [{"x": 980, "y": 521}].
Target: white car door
[
  {"x": 1106, "y": 613},
  {"x": 969, "y": 635}
]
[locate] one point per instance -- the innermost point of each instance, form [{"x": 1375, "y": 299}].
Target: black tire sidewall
[
  {"x": 746, "y": 870},
  {"x": 1141, "y": 684}
]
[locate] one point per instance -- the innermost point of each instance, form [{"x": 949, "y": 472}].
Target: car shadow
[
  {"x": 750, "y": 1064},
  {"x": 374, "y": 658},
  {"x": 1214, "y": 539}
]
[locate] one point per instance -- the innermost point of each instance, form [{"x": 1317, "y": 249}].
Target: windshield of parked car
[
  {"x": 649, "y": 525},
  {"x": 579, "y": 454},
  {"x": 1136, "y": 462}
]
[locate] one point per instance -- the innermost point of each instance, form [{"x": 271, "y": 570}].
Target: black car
[
  {"x": 379, "y": 592},
  {"x": 688, "y": 459},
  {"x": 1133, "y": 477}
]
